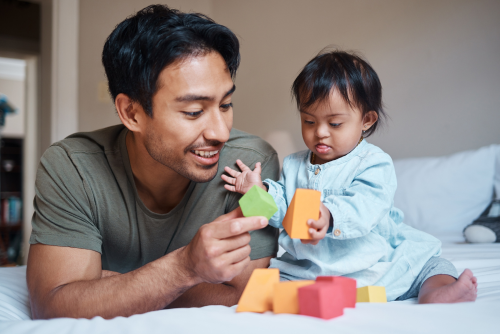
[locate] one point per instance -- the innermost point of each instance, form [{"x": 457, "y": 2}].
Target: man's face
[{"x": 192, "y": 116}]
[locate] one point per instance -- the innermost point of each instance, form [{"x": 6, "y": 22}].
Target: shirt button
[
  {"x": 316, "y": 172},
  {"x": 337, "y": 232}
]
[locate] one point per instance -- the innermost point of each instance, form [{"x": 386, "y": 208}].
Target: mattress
[{"x": 482, "y": 316}]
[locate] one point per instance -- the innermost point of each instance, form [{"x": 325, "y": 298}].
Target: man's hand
[
  {"x": 220, "y": 250},
  {"x": 318, "y": 228},
  {"x": 241, "y": 182}
]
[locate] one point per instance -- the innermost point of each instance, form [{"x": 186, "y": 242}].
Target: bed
[{"x": 438, "y": 195}]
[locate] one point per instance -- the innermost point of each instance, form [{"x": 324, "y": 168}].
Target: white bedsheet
[{"x": 483, "y": 316}]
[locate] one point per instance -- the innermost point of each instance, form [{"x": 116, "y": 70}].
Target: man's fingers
[
  {"x": 229, "y": 228},
  {"x": 236, "y": 213},
  {"x": 242, "y": 166},
  {"x": 232, "y": 243},
  {"x": 237, "y": 255},
  {"x": 231, "y": 171},
  {"x": 230, "y": 180}
]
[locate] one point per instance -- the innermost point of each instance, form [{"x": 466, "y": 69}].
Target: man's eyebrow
[{"x": 192, "y": 97}]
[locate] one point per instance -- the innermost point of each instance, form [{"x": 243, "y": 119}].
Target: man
[{"x": 135, "y": 217}]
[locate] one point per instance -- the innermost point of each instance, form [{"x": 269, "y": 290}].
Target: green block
[{"x": 257, "y": 202}]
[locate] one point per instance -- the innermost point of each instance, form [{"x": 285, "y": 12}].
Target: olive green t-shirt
[{"x": 86, "y": 198}]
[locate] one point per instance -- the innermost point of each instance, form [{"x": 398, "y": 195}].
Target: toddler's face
[{"x": 332, "y": 129}]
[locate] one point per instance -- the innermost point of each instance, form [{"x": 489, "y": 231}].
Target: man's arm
[
  {"x": 227, "y": 293},
  {"x": 69, "y": 282}
]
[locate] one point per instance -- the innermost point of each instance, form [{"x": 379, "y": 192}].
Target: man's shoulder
[
  {"x": 100, "y": 141},
  {"x": 252, "y": 144}
]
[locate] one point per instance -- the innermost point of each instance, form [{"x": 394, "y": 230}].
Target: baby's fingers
[
  {"x": 316, "y": 235},
  {"x": 231, "y": 171},
  {"x": 242, "y": 166},
  {"x": 258, "y": 168},
  {"x": 230, "y": 188},
  {"x": 230, "y": 180},
  {"x": 316, "y": 224}
]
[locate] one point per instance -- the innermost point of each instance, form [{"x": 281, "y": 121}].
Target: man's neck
[{"x": 160, "y": 188}]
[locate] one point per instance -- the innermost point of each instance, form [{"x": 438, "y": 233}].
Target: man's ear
[
  {"x": 131, "y": 113},
  {"x": 369, "y": 119}
]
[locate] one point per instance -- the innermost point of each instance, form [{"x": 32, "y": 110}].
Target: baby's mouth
[{"x": 322, "y": 148}]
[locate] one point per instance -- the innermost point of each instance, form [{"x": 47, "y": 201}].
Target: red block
[
  {"x": 321, "y": 300},
  {"x": 348, "y": 286}
]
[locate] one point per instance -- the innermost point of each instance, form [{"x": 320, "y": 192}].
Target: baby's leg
[{"x": 447, "y": 289}]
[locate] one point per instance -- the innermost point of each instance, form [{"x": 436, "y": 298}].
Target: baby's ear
[{"x": 369, "y": 119}]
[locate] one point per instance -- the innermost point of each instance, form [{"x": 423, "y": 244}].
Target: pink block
[
  {"x": 348, "y": 286},
  {"x": 321, "y": 300}
]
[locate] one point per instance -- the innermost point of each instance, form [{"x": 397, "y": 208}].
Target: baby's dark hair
[{"x": 354, "y": 78}]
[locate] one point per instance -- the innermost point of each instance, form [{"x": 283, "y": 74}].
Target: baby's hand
[
  {"x": 242, "y": 181},
  {"x": 318, "y": 228}
]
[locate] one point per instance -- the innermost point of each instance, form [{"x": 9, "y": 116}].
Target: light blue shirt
[{"x": 369, "y": 241}]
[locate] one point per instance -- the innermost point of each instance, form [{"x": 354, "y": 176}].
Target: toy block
[
  {"x": 258, "y": 293},
  {"x": 348, "y": 287},
  {"x": 258, "y": 202},
  {"x": 285, "y": 297},
  {"x": 304, "y": 206},
  {"x": 371, "y": 294},
  {"x": 322, "y": 300}
]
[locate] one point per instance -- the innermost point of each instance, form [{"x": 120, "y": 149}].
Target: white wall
[
  {"x": 12, "y": 84},
  {"x": 437, "y": 60}
]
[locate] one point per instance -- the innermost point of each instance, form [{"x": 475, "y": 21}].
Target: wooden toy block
[
  {"x": 322, "y": 300},
  {"x": 371, "y": 294},
  {"x": 285, "y": 298},
  {"x": 348, "y": 287},
  {"x": 304, "y": 206},
  {"x": 258, "y": 202},
  {"x": 258, "y": 293}
]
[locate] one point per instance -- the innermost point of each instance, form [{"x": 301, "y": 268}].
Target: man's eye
[
  {"x": 192, "y": 114},
  {"x": 335, "y": 125},
  {"x": 226, "y": 106}
]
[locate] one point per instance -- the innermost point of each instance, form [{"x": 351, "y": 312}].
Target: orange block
[
  {"x": 304, "y": 206},
  {"x": 258, "y": 294},
  {"x": 286, "y": 298}
]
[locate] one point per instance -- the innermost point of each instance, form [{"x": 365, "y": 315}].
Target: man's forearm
[
  {"x": 148, "y": 288},
  {"x": 208, "y": 294}
]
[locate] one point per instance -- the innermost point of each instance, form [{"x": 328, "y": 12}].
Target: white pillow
[{"x": 445, "y": 194}]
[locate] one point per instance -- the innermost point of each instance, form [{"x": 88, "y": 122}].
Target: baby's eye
[
  {"x": 335, "y": 125},
  {"x": 308, "y": 122},
  {"x": 226, "y": 106},
  {"x": 192, "y": 114}
]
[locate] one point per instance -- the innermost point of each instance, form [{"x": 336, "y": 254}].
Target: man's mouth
[{"x": 205, "y": 154}]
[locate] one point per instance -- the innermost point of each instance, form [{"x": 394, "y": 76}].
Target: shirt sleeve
[
  {"x": 63, "y": 215},
  {"x": 277, "y": 190},
  {"x": 358, "y": 209},
  {"x": 264, "y": 242}
]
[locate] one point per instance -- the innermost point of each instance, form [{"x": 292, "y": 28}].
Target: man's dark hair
[
  {"x": 352, "y": 76},
  {"x": 142, "y": 45}
]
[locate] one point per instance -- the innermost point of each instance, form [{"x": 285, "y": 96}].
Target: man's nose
[{"x": 217, "y": 127}]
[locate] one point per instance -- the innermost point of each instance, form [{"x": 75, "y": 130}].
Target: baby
[{"x": 359, "y": 233}]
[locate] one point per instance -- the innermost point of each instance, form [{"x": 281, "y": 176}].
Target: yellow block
[
  {"x": 258, "y": 294},
  {"x": 371, "y": 294},
  {"x": 304, "y": 206},
  {"x": 285, "y": 297}
]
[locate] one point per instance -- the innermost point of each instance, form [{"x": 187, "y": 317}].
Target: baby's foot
[{"x": 462, "y": 290}]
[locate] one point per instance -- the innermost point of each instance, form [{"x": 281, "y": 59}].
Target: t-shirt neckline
[{"x": 130, "y": 176}]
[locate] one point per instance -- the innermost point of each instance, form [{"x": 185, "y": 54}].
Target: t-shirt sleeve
[
  {"x": 63, "y": 214},
  {"x": 264, "y": 242}
]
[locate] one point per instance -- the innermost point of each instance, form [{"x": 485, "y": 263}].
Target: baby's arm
[{"x": 358, "y": 209}]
